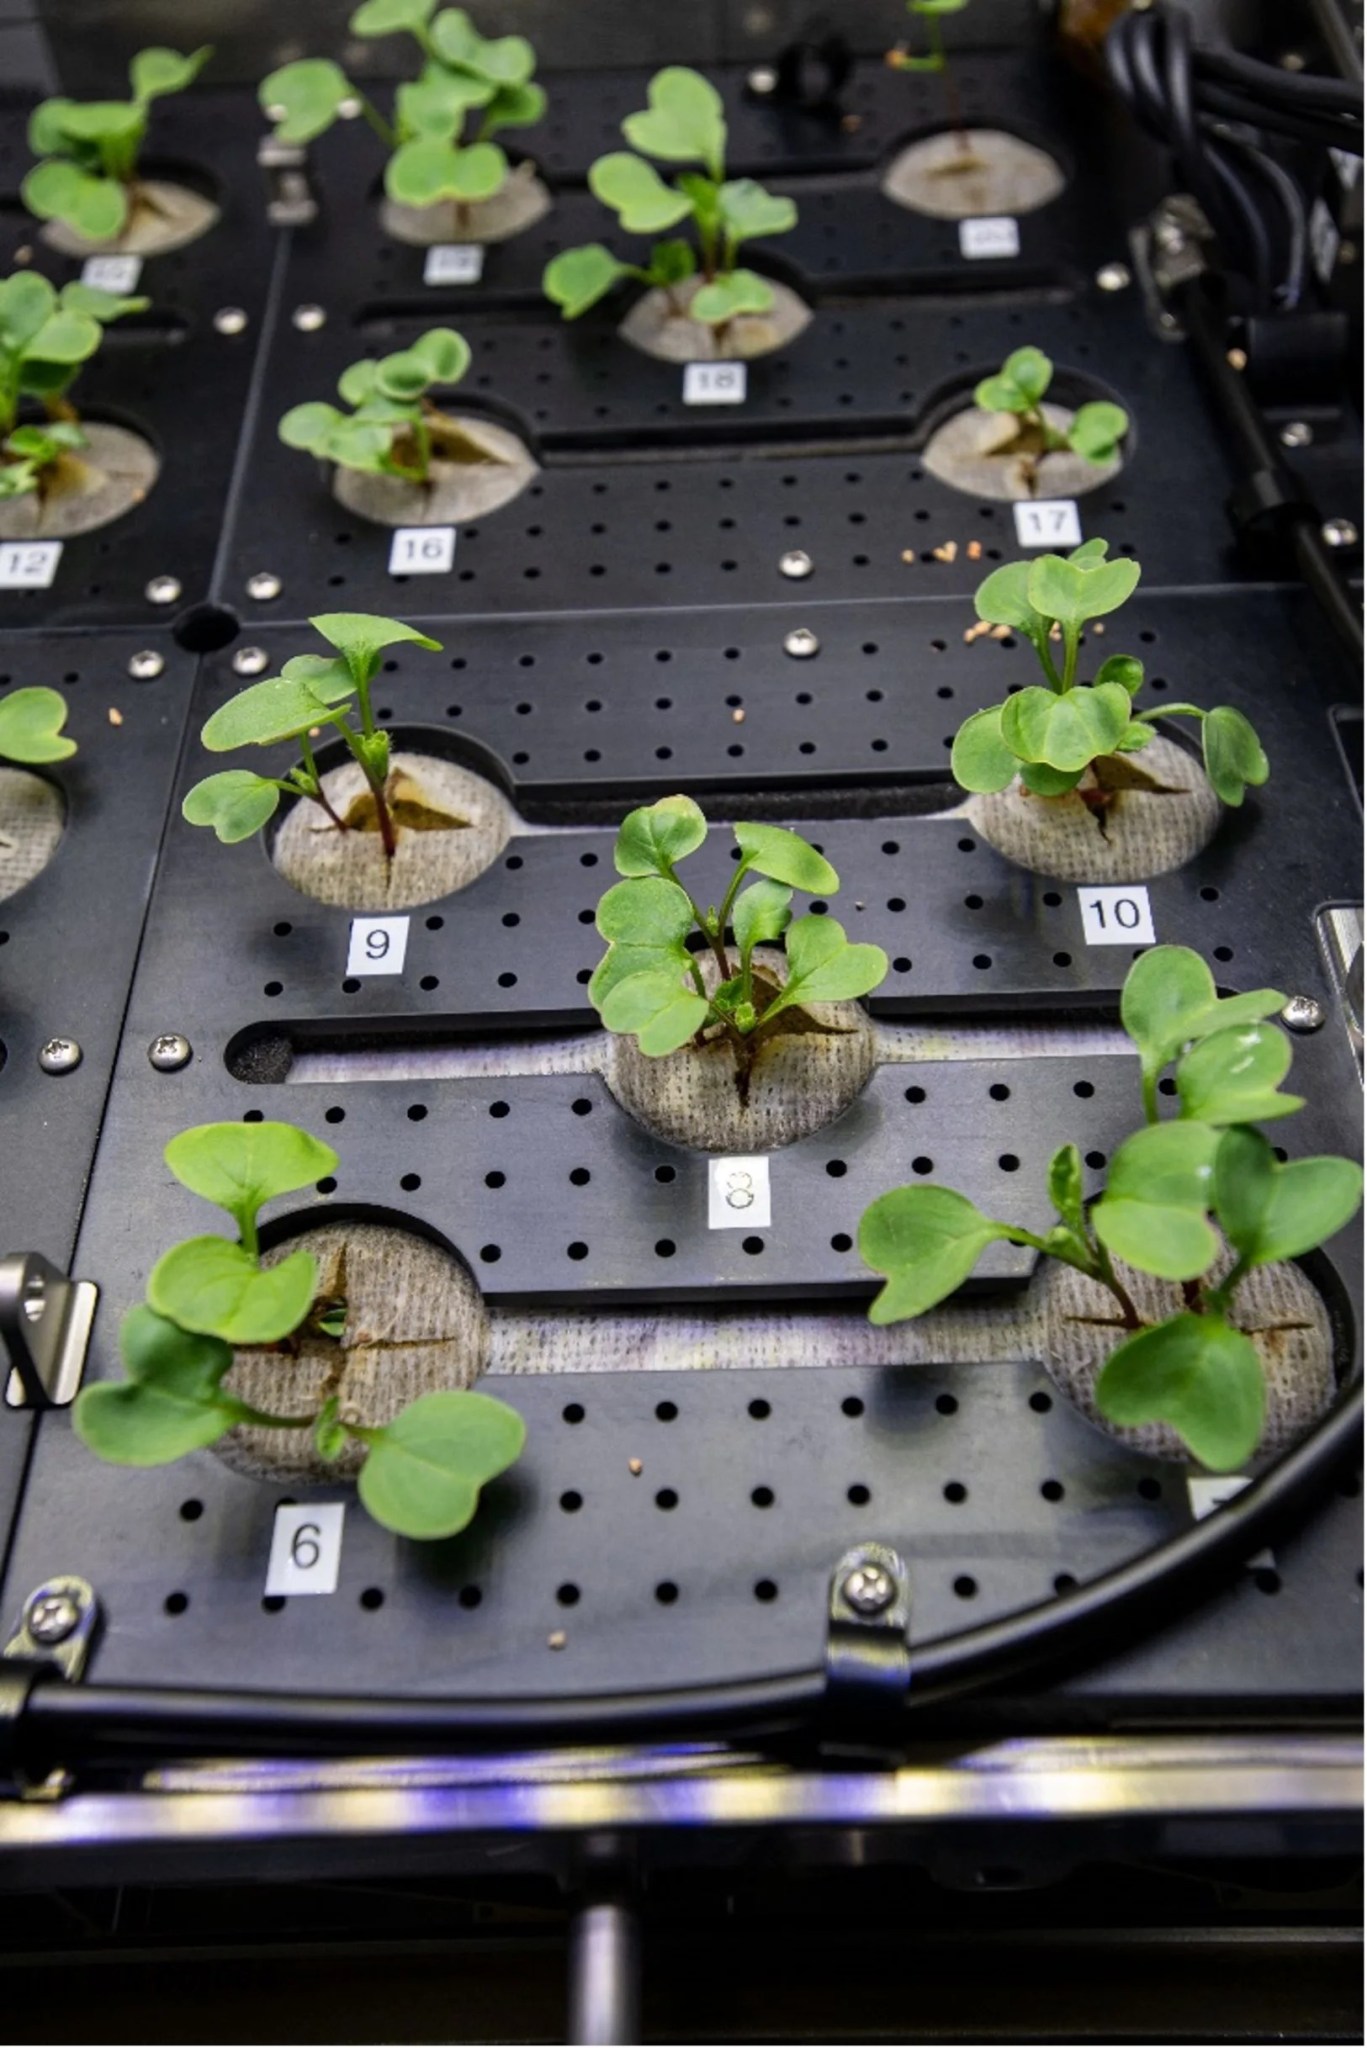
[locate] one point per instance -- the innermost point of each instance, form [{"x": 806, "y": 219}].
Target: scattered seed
[
  {"x": 556, "y": 1639},
  {"x": 635, "y": 1467},
  {"x": 975, "y": 551},
  {"x": 947, "y": 553},
  {"x": 976, "y": 632},
  {"x": 115, "y": 717},
  {"x": 1100, "y": 626},
  {"x": 1000, "y": 633},
  {"x": 738, "y": 717},
  {"x": 909, "y": 555},
  {"x": 852, "y": 123}
]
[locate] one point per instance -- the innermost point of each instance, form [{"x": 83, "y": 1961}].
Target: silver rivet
[
  {"x": 1168, "y": 322},
  {"x": 1339, "y": 533},
  {"x": 51, "y": 1617},
  {"x": 1302, "y": 1013},
  {"x": 869, "y": 1589},
  {"x": 762, "y": 80},
  {"x": 796, "y": 563},
  {"x": 801, "y": 643},
  {"x": 169, "y": 1052},
  {"x": 1297, "y": 434},
  {"x": 1170, "y": 237},
  {"x": 249, "y": 661},
  {"x": 1113, "y": 277},
  {"x": 145, "y": 664},
  {"x": 348, "y": 109},
  {"x": 264, "y": 585},
  {"x": 59, "y": 1056},
  {"x": 162, "y": 590},
  {"x": 231, "y": 320},
  {"x": 308, "y": 319}
]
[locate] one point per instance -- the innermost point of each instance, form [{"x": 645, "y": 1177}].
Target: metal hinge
[
  {"x": 868, "y": 1662},
  {"x": 290, "y": 198},
  {"x": 45, "y": 1322},
  {"x": 53, "y": 1636}
]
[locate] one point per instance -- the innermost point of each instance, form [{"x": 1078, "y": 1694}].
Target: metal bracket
[
  {"x": 1169, "y": 250},
  {"x": 54, "y": 1634},
  {"x": 868, "y": 1663},
  {"x": 290, "y": 198},
  {"x": 45, "y": 1323}
]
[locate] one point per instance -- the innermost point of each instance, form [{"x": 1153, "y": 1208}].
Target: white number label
[
  {"x": 738, "y": 1194},
  {"x": 422, "y": 550},
  {"x": 378, "y": 945},
  {"x": 306, "y": 1548},
  {"x": 714, "y": 384},
  {"x": 1048, "y": 523},
  {"x": 1116, "y": 917},
  {"x": 993, "y": 235},
  {"x": 454, "y": 263},
  {"x": 1206, "y": 1495},
  {"x": 29, "y": 564},
  {"x": 112, "y": 273}
]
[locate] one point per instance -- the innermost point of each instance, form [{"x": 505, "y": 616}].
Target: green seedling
[
  {"x": 423, "y": 1471},
  {"x": 312, "y": 692},
  {"x": 1066, "y": 735},
  {"x": 1167, "y": 1188},
  {"x": 465, "y": 78},
  {"x": 31, "y": 722},
  {"x": 682, "y": 125},
  {"x": 1019, "y": 387},
  {"x": 45, "y": 336},
  {"x": 649, "y": 984},
  {"x": 393, "y": 429},
  {"x": 89, "y": 174},
  {"x": 936, "y": 58}
]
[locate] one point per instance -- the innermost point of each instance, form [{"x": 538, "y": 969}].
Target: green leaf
[
  {"x": 329, "y": 1431},
  {"x": 423, "y": 171},
  {"x": 1123, "y": 669},
  {"x": 646, "y": 911},
  {"x": 577, "y": 278},
  {"x": 823, "y": 967},
  {"x": 1031, "y": 371},
  {"x": 507, "y": 60},
  {"x": 1065, "y": 729},
  {"x": 360, "y": 636},
  {"x": 748, "y": 211},
  {"x": 727, "y": 297},
  {"x": 170, "y": 1403},
  {"x": 670, "y": 263},
  {"x": 1065, "y": 1185},
  {"x": 926, "y": 1241},
  {"x": 656, "y": 1008},
  {"x": 455, "y": 38},
  {"x": 31, "y": 722},
  {"x": 513, "y": 106},
  {"x": 26, "y": 302},
  {"x": 47, "y": 134},
  {"x": 637, "y": 193},
  {"x": 652, "y": 838},
  {"x": 424, "y": 1472},
  {"x": 1169, "y": 1000},
  {"x": 760, "y": 913},
  {"x": 1135, "y": 737},
  {"x": 1003, "y": 598},
  {"x": 97, "y": 208},
  {"x": 278, "y": 709},
  {"x": 1153, "y": 1213},
  {"x": 998, "y": 394},
  {"x": 1198, "y": 1375},
  {"x": 1098, "y": 430},
  {"x": 99, "y": 305},
  {"x": 981, "y": 759},
  {"x": 303, "y": 99},
  {"x": 1232, "y": 1077},
  {"x": 327, "y": 675},
  {"x": 156, "y": 72},
  {"x": 684, "y": 121},
  {"x": 786, "y": 857},
  {"x": 116, "y": 121},
  {"x": 65, "y": 338},
  {"x": 310, "y": 426},
  {"x": 388, "y": 17},
  {"x": 1233, "y": 754},
  {"x": 1043, "y": 780},
  {"x": 240, "y": 1167},
  {"x": 1074, "y": 591},
  {"x": 1269, "y": 1211},
  {"x": 212, "y": 1285},
  {"x": 436, "y": 104},
  {"x": 236, "y": 803}
]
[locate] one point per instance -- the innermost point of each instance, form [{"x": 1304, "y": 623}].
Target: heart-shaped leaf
[
  {"x": 388, "y": 17},
  {"x": 1170, "y": 999},
  {"x": 1233, "y": 754},
  {"x": 423, "y": 1472},
  {"x": 513, "y": 106},
  {"x": 310, "y": 426},
  {"x": 652, "y": 838},
  {"x": 170, "y": 1403},
  {"x": 981, "y": 759},
  {"x": 684, "y": 122},
  {"x": 637, "y": 194},
  {"x": 649, "y": 911},
  {"x": 727, "y": 297},
  {"x": 748, "y": 211},
  {"x": 31, "y": 722},
  {"x": 236, "y": 803},
  {"x": 786, "y": 857},
  {"x": 303, "y": 99},
  {"x": 242, "y": 1166},
  {"x": 436, "y": 104},
  {"x": 1003, "y": 599},
  {"x": 656, "y": 1008},
  {"x": 578, "y": 278},
  {"x": 67, "y": 337},
  {"x": 1098, "y": 430},
  {"x": 26, "y": 301},
  {"x": 823, "y": 967},
  {"x": 1158, "y": 1189},
  {"x": 1232, "y": 1077},
  {"x": 1065, "y": 729},
  {"x": 212, "y": 1285},
  {"x": 926, "y": 1241},
  {"x": 96, "y": 208},
  {"x": 156, "y": 72},
  {"x": 278, "y": 709},
  {"x": 1020, "y": 383},
  {"x": 1269, "y": 1211},
  {"x": 362, "y": 636},
  {"x": 1198, "y": 1375},
  {"x": 1074, "y": 591}
]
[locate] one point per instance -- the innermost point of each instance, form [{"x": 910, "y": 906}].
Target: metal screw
[
  {"x": 869, "y": 1589},
  {"x": 1297, "y": 434},
  {"x": 348, "y": 109},
  {"x": 263, "y": 586},
  {"x": 230, "y": 320},
  {"x": 1168, "y": 322},
  {"x": 762, "y": 80},
  {"x": 1302, "y": 1013},
  {"x": 801, "y": 643},
  {"x": 1170, "y": 237},
  {"x": 1339, "y": 533},
  {"x": 796, "y": 563},
  {"x": 249, "y": 661},
  {"x": 168, "y": 1052},
  {"x": 1113, "y": 277},
  {"x": 162, "y": 590},
  {"x": 52, "y": 1617},
  {"x": 59, "y": 1056},
  {"x": 308, "y": 319},
  {"x": 145, "y": 664}
]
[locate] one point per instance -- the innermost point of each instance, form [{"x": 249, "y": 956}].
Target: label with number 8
[
  {"x": 738, "y": 1193},
  {"x": 422, "y": 550}
]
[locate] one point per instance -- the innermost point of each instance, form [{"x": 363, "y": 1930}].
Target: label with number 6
[
  {"x": 738, "y": 1193},
  {"x": 306, "y": 1548}
]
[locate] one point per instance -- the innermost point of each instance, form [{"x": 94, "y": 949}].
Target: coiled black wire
[{"x": 1236, "y": 128}]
